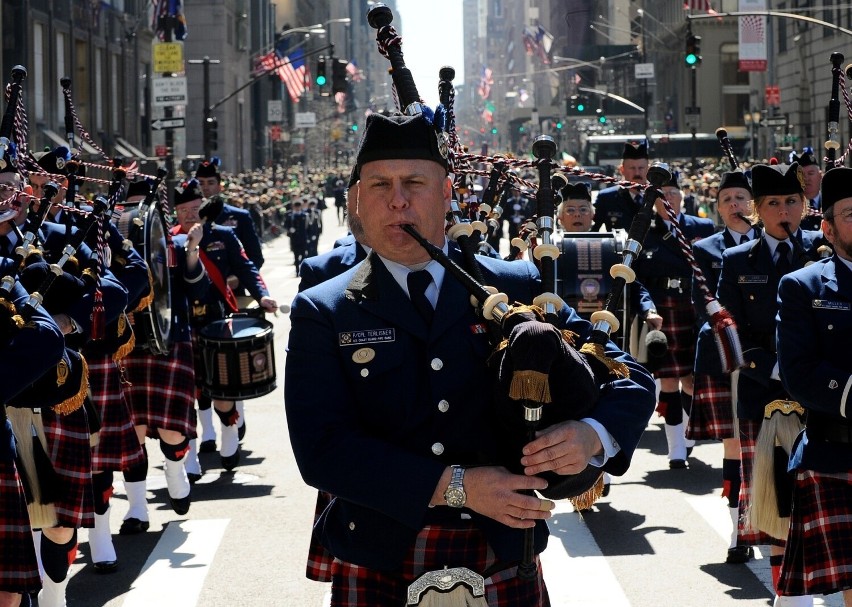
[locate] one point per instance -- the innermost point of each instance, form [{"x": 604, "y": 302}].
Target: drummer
[{"x": 222, "y": 255}]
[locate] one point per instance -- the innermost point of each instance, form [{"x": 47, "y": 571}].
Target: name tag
[
  {"x": 748, "y": 279},
  {"x": 826, "y": 304},
  {"x": 368, "y": 336}
]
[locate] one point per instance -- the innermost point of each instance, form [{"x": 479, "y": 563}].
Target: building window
[
  {"x": 61, "y": 72},
  {"x": 828, "y": 16},
  {"x": 734, "y": 104},
  {"x": 38, "y": 70}
]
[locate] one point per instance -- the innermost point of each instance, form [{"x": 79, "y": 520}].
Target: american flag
[
  {"x": 485, "y": 81},
  {"x": 353, "y": 71},
  {"x": 292, "y": 70},
  {"x": 699, "y": 5}
]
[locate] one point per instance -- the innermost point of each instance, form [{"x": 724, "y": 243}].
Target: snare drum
[
  {"x": 238, "y": 357},
  {"x": 582, "y": 272}
]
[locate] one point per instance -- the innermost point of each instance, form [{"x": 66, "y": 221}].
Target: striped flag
[{"x": 293, "y": 73}]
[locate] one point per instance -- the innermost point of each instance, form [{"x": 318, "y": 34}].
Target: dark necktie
[
  {"x": 744, "y": 238},
  {"x": 782, "y": 264},
  {"x": 418, "y": 282}
]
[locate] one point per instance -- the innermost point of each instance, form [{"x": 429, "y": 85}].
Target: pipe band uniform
[
  {"x": 814, "y": 329},
  {"x": 384, "y": 413}
]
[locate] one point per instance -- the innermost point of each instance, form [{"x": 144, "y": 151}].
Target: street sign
[
  {"x": 274, "y": 110},
  {"x": 161, "y": 124},
  {"x": 773, "y": 122},
  {"x": 169, "y": 92},
  {"x": 168, "y": 57},
  {"x": 692, "y": 110},
  {"x": 643, "y": 70},
  {"x": 305, "y": 120},
  {"x": 773, "y": 95}
]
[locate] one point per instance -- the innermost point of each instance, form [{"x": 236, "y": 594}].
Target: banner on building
[{"x": 752, "y": 37}]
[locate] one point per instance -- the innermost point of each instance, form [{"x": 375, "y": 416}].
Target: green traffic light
[
  {"x": 581, "y": 107},
  {"x": 558, "y": 125},
  {"x": 691, "y": 59},
  {"x": 494, "y": 131},
  {"x": 321, "y": 80},
  {"x": 602, "y": 119},
  {"x": 354, "y": 127}
]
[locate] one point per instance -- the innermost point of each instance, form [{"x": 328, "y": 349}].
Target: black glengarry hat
[
  {"x": 138, "y": 188},
  {"x": 633, "y": 150},
  {"x": 777, "y": 180},
  {"x": 399, "y": 137},
  {"x": 576, "y": 191},
  {"x": 734, "y": 179},
  {"x": 807, "y": 158},
  {"x": 836, "y": 185},
  {"x": 55, "y": 161},
  {"x": 209, "y": 168},
  {"x": 187, "y": 192}
]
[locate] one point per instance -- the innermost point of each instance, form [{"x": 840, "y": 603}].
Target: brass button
[
  {"x": 752, "y": 365},
  {"x": 830, "y": 327},
  {"x": 437, "y": 448},
  {"x": 437, "y": 364},
  {"x": 751, "y": 297},
  {"x": 351, "y": 526},
  {"x": 443, "y": 406},
  {"x": 365, "y": 372}
]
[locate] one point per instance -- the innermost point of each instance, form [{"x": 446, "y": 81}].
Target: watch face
[{"x": 455, "y": 497}]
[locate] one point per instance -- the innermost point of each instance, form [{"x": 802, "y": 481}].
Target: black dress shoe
[
  {"x": 207, "y": 446},
  {"x": 232, "y": 461},
  {"x": 677, "y": 464},
  {"x": 739, "y": 555},
  {"x": 605, "y": 491},
  {"x": 688, "y": 451},
  {"x": 193, "y": 477},
  {"x": 132, "y": 526},
  {"x": 180, "y": 506},
  {"x": 105, "y": 566},
  {"x": 241, "y": 431}
]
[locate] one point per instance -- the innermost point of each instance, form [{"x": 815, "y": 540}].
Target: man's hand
[
  {"x": 194, "y": 236},
  {"x": 63, "y": 321},
  {"x": 496, "y": 493},
  {"x": 564, "y": 448},
  {"x": 268, "y": 304},
  {"x": 654, "y": 320}
]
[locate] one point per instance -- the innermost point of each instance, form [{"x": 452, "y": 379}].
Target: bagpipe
[{"x": 542, "y": 374}]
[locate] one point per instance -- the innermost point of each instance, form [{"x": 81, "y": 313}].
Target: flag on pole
[
  {"x": 293, "y": 73},
  {"x": 538, "y": 41},
  {"x": 699, "y": 5},
  {"x": 485, "y": 81},
  {"x": 353, "y": 71}
]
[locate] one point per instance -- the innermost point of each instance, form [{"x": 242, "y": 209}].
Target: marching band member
[
  {"x": 575, "y": 211},
  {"x": 161, "y": 390},
  {"x": 712, "y": 415},
  {"x": 748, "y": 289},
  {"x": 813, "y": 178},
  {"x": 375, "y": 409},
  {"x": 222, "y": 254},
  {"x": 814, "y": 330},
  {"x": 615, "y": 206},
  {"x": 664, "y": 271}
]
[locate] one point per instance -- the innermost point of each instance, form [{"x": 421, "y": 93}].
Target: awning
[
  {"x": 134, "y": 151},
  {"x": 58, "y": 140}
]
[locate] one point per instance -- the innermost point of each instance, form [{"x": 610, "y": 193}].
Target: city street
[{"x": 658, "y": 539}]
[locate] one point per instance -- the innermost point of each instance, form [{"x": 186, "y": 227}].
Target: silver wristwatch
[{"x": 454, "y": 494}]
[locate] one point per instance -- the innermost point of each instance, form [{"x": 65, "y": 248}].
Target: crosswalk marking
[
  {"x": 575, "y": 570},
  {"x": 174, "y": 572}
]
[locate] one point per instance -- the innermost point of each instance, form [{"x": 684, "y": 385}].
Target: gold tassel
[
  {"x": 73, "y": 403},
  {"x": 569, "y": 336},
  {"x": 618, "y": 369},
  {"x": 126, "y": 348},
  {"x": 530, "y": 385},
  {"x": 585, "y": 500},
  {"x": 146, "y": 301}
]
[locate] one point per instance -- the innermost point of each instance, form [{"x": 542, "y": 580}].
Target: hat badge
[
  {"x": 60, "y": 163},
  {"x": 800, "y": 175}
]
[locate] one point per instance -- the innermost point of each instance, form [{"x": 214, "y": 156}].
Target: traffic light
[
  {"x": 602, "y": 119},
  {"x": 692, "y": 54},
  {"x": 321, "y": 79},
  {"x": 494, "y": 130},
  {"x": 211, "y": 133},
  {"x": 578, "y": 105},
  {"x": 354, "y": 127},
  {"x": 338, "y": 76},
  {"x": 558, "y": 125}
]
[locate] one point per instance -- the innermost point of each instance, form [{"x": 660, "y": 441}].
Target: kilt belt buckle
[
  {"x": 200, "y": 310},
  {"x": 784, "y": 407},
  {"x": 674, "y": 283},
  {"x": 444, "y": 586}
]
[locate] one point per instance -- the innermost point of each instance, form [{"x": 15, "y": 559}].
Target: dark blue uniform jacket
[{"x": 365, "y": 427}]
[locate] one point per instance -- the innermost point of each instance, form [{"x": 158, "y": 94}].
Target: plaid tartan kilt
[
  {"x": 161, "y": 393},
  {"x": 18, "y": 566},
  {"x": 712, "y": 415},
  {"x": 118, "y": 446},
  {"x": 748, "y": 442},
  {"x": 355, "y": 586},
  {"x": 70, "y": 451},
  {"x": 319, "y": 559},
  {"x": 818, "y": 555},
  {"x": 679, "y": 327}
]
